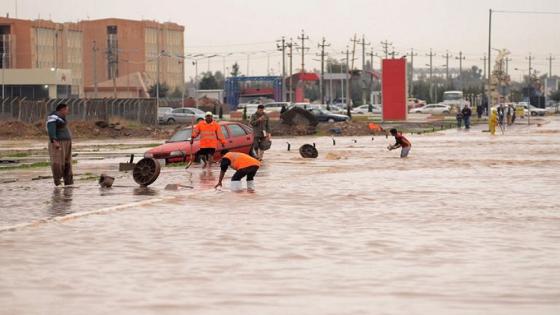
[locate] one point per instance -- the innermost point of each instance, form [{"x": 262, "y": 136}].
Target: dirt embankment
[{"x": 85, "y": 130}]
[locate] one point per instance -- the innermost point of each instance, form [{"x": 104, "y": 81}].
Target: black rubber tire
[
  {"x": 146, "y": 171},
  {"x": 170, "y": 121},
  {"x": 330, "y": 120},
  {"x": 308, "y": 151}
]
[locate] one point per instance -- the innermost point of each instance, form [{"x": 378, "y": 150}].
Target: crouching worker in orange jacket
[
  {"x": 244, "y": 164},
  {"x": 210, "y": 133}
]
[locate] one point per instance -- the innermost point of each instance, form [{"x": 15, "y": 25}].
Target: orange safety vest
[
  {"x": 241, "y": 160},
  {"x": 209, "y": 133}
]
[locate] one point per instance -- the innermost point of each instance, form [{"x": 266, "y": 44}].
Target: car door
[{"x": 239, "y": 139}]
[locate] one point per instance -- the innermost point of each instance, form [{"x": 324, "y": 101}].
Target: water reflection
[
  {"x": 144, "y": 191},
  {"x": 207, "y": 179},
  {"x": 61, "y": 201}
]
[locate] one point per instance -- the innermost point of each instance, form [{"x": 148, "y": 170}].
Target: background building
[{"x": 119, "y": 57}]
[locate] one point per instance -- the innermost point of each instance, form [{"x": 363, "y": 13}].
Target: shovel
[{"x": 191, "y": 157}]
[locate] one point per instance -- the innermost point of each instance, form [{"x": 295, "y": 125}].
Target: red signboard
[{"x": 394, "y": 89}]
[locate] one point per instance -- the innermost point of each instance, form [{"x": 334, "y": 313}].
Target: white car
[
  {"x": 364, "y": 109},
  {"x": 276, "y": 106},
  {"x": 251, "y": 109},
  {"x": 535, "y": 111},
  {"x": 307, "y": 106},
  {"x": 437, "y": 109}
]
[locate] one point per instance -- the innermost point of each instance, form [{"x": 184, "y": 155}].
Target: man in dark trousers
[
  {"x": 261, "y": 131},
  {"x": 467, "y": 112},
  {"x": 60, "y": 145},
  {"x": 400, "y": 142}
]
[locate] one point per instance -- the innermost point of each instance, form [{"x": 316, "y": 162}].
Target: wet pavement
[{"x": 468, "y": 224}]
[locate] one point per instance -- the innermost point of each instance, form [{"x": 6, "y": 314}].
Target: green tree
[
  {"x": 163, "y": 90},
  {"x": 208, "y": 82},
  {"x": 177, "y": 93},
  {"x": 235, "y": 70},
  {"x": 555, "y": 96}
]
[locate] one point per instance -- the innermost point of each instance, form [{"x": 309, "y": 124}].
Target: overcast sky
[{"x": 252, "y": 26}]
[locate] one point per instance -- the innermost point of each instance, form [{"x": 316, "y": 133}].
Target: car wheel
[
  {"x": 446, "y": 112},
  {"x": 533, "y": 113},
  {"x": 199, "y": 119},
  {"x": 330, "y": 120},
  {"x": 171, "y": 121}
]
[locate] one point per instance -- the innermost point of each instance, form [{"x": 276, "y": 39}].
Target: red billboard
[{"x": 393, "y": 87}]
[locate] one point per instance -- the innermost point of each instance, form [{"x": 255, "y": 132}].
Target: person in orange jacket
[
  {"x": 210, "y": 133},
  {"x": 244, "y": 164}
]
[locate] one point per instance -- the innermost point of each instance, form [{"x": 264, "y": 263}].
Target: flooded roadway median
[{"x": 468, "y": 224}]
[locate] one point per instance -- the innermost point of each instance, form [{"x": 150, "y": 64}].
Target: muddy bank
[{"x": 86, "y": 130}]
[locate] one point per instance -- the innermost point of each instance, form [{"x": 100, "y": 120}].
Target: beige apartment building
[{"x": 106, "y": 58}]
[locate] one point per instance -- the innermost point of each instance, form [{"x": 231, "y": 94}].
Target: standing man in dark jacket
[
  {"x": 467, "y": 112},
  {"x": 261, "y": 131},
  {"x": 60, "y": 145}
]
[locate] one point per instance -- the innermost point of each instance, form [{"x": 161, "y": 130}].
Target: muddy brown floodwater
[{"x": 468, "y": 224}]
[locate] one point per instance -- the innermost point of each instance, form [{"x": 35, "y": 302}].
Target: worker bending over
[
  {"x": 244, "y": 164},
  {"x": 400, "y": 142},
  {"x": 210, "y": 133}
]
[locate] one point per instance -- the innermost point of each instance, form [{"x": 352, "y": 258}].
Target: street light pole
[{"x": 3, "y": 69}]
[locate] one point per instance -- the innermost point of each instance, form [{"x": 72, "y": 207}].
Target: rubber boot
[
  {"x": 251, "y": 185},
  {"x": 236, "y": 185}
]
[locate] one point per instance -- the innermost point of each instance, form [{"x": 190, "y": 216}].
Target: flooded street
[{"x": 468, "y": 224}]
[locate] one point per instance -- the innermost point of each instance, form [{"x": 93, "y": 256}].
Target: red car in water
[{"x": 239, "y": 138}]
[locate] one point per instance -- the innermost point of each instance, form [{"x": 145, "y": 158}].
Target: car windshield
[{"x": 181, "y": 135}]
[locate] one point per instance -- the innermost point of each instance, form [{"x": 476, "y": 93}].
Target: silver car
[{"x": 183, "y": 115}]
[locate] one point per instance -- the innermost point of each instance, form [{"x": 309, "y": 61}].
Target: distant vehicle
[
  {"x": 276, "y": 106},
  {"x": 364, "y": 109},
  {"x": 251, "y": 109},
  {"x": 415, "y": 103},
  {"x": 239, "y": 138},
  {"x": 455, "y": 99},
  {"x": 535, "y": 111},
  {"x": 336, "y": 109},
  {"x": 437, "y": 109},
  {"x": 183, "y": 115},
  {"x": 161, "y": 112},
  {"x": 307, "y": 106},
  {"x": 341, "y": 102},
  {"x": 324, "y": 115}
]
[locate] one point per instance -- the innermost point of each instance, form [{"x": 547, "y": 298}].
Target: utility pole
[
  {"x": 431, "y": 55},
  {"x": 348, "y": 93},
  {"x": 507, "y": 65},
  {"x": 530, "y": 58},
  {"x": 95, "y": 49},
  {"x": 321, "y": 84},
  {"x": 489, "y": 61},
  {"x": 385, "y": 46},
  {"x": 290, "y": 45},
  {"x": 484, "y": 61},
  {"x": 411, "y": 88},
  {"x": 364, "y": 44},
  {"x": 550, "y": 58},
  {"x": 371, "y": 55},
  {"x": 282, "y": 48},
  {"x": 303, "y": 38},
  {"x": 393, "y": 53},
  {"x": 354, "y": 41},
  {"x": 461, "y": 58},
  {"x": 447, "y": 55}
]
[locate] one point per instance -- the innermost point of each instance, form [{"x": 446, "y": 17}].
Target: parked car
[
  {"x": 364, "y": 109},
  {"x": 161, "y": 113},
  {"x": 307, "y": 106},
  {"x": 437, "y": 109},
  {"x": 251, "y": 109},
  {"x": 276, "y": 106},
  {"x": 341, "y": 102},
  {"x": 535, "y": 111},
  {"x": 183, "y": 115},
  {"x": 324, "y": 115},
  {"x": 239, "y": 138}
]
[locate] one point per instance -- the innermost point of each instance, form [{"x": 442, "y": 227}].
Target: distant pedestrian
[
  {"x": 459, "y": 118},
  {"x": 492, "y": 122},
  {"x": 261, "y": 132},
  {"x": 513, "y": 115},
  {"x": 509, "y": 114},
  {"x": 60, "y": 145},
  {"x": 400, "y": 142},
  {"x": 467, "y": 112},
  {"x": 479, "y": 111}
]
